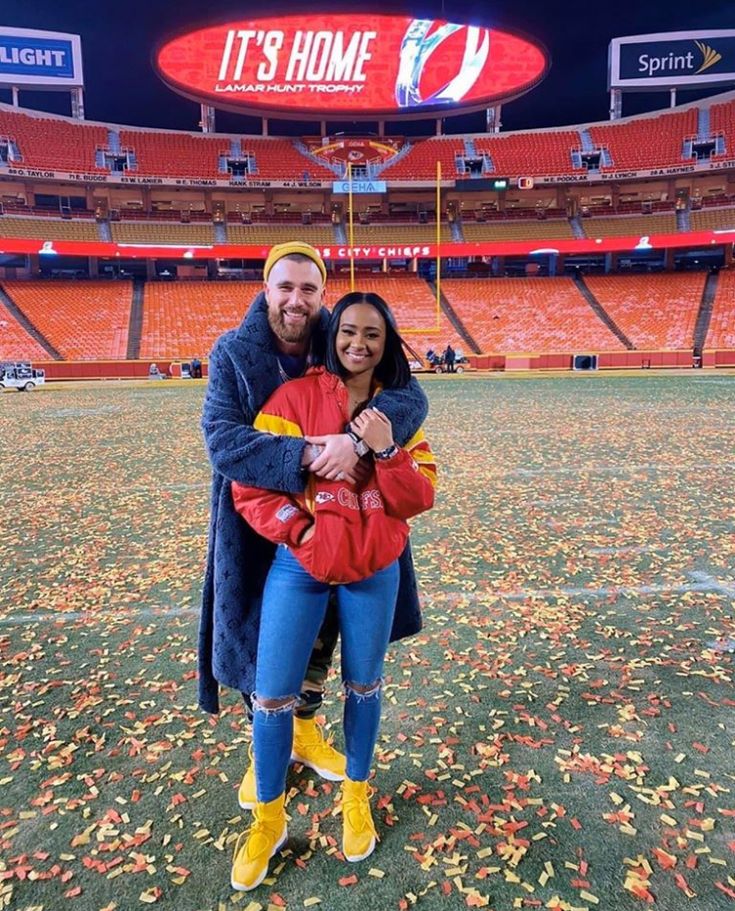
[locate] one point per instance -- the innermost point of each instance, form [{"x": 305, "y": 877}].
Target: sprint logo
[
  {"x": 672, "y": 64},
  {"x": 709, "y": 57}
]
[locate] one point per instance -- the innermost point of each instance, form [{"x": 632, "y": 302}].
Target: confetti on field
[{"x": 559, "y": 736}]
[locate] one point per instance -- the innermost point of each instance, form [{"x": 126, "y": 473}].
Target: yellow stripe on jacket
[
  {"x": 419, "y": 450},
  {"x": 272, "y": 423}
]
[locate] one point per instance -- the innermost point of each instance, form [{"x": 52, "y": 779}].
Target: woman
[{"x": 336, "y": 533}]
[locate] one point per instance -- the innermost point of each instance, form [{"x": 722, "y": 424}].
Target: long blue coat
[{"x": 243, "y": 372}]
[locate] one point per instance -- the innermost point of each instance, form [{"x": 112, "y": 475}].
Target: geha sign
[{"x": 356, "y": 66}]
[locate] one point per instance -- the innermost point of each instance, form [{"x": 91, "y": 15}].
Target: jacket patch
[
  {"x": 324, "y": 496},
  {"x": 286, "y": 512}
]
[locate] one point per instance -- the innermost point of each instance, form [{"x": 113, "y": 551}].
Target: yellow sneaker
[
  {"x": 312, "y": 750},
  {"x": 358, "y": 830},
  {"x": 247, "y": 795},
  {"x": 254, "y": 848}
]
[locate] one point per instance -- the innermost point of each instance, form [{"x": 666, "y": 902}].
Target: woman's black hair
[{"x": 393, "y": 370}]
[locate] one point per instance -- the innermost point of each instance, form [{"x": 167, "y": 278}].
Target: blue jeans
[{"x": 294, "y": 604}]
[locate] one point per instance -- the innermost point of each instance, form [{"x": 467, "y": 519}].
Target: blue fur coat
[{"x": 243, "y": 372}]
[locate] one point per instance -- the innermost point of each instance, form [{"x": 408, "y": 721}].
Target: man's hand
[
  {"x": 338, "y": 457},
  {"x": 311, "y": 452}
]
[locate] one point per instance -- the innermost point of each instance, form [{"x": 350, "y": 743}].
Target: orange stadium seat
[
  {"x": 713, "y": 219},
  {"x": 722, "y": 121},
  {"x": 184, "y": 320},
  {"x": 648, "y": 142},
  {"x": 175, "y": 154},
  {"x": 528, "y": 315},
  {"x": 721, "y": 332},
  {"x": 278, "y": 234},
  {"x": 279, "y": 159},
  {"x": 657, "y": 311},
  {"x": 420, "y": 162},
  {"x": 399, "y": 234},
  {"x": 15, "y": 343},
  {"x": 539, "y": 152},
  {"x": 82, "y": 320},
  {"x": 634, "y": 225},
  {"x": 161, "y": 233},
  {"x": 48, "y": 228},
  {"x": 53, "y": 143},
  {"x": 517, "y": 229}
]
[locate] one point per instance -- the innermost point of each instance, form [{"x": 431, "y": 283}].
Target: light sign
[
  {"x": 356, "y": 66},
  {"x": 44, "y": 60}
]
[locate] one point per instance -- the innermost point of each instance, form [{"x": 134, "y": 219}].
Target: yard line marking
[
  {"x": 702, "y": 583},
  {"x": 67, "y": 616},
  {"x": 623, "y": 468}
]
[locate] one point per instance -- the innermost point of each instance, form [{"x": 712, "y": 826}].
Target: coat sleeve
[
  {"x": 405, "y": 408},
  {"x": 276, "y": 516},
  {"x": 235, "y": 449},
  {"x": 408, "y": 480}
]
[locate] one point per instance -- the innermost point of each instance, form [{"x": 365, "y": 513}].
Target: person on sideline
[
  {"x": 283, "y": 332},
  {"x": 449, "y": 358},
  {"x": 335, "y": 533}
]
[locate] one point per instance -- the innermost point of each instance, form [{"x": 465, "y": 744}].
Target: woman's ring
[{"x": 341, "y": 476}]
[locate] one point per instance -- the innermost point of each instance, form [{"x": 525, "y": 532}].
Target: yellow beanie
[{"x": 294, "y": 246}]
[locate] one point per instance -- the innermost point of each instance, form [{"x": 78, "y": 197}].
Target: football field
[{"x": 560, "y": 736}]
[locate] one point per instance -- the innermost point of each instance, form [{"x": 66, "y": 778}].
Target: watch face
[{"x": 362, "y": 448}]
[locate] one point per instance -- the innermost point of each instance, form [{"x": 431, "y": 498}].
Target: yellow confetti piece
[
  {"x": 374, "y": 871},
  {"x": 309, "y": 902}
]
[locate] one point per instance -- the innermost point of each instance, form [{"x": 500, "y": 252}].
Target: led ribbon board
[{"x": 357, "y": 66}]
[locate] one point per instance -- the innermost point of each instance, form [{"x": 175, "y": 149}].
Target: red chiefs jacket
[{"x": 358, "y": 530}]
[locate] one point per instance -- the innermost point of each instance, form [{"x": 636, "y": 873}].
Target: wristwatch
[
  {"x": 361, "y": 447},
  {"x": 388, "y": 453}
]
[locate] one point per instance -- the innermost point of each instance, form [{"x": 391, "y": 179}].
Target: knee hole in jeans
[
  {"x": 275, "y": 705},
  {"x": 363, "y": 690}
]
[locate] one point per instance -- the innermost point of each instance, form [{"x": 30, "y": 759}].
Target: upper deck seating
[
  {"x": 52, "y": 143},
  {"x": 420, "y": 161},
  {"x": 531, "y": 153},
  {"x": 648, "y": 142}
]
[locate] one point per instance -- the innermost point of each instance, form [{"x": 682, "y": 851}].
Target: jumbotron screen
[{"x": 351, "y": 66}]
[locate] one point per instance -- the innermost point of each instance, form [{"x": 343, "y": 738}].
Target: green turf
[{"x": 561, "y": 722}]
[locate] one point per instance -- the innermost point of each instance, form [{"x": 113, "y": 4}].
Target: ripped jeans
[{"x": 294, "y": 605}]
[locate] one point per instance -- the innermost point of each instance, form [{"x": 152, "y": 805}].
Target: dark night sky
[{"x": 117, "y": 39}]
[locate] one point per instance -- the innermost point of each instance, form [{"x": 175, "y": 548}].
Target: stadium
[{"x": 560, "y": 733}]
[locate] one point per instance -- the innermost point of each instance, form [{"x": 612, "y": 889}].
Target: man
[
  {"x": 282, "y": 333},
  {"x": 449, "y": 358}
]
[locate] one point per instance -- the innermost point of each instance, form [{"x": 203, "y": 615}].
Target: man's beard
[{"x": 291, "y": 334}]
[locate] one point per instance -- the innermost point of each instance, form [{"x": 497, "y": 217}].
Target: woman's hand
[{"x": 375, "y": 428}]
